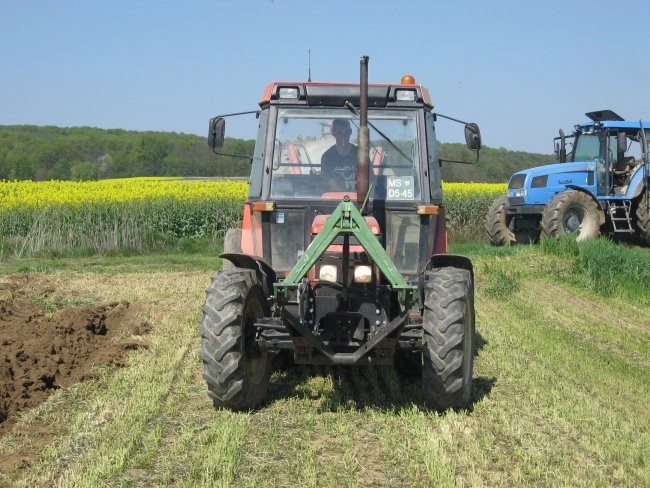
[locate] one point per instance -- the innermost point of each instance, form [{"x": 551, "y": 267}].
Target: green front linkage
[{"x": 346, "y": 219}]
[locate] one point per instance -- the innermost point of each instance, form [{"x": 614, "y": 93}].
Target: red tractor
[{"x": 341, "y": 261}]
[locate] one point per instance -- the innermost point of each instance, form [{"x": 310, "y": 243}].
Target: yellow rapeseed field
[
  {"x": 15, "y": 194},
  {"x": 142, "y": 212}
]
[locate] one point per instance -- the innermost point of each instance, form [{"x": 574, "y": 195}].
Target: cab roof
[
  {"x": 610, "y": 119},
  {"x": 619, "y": 124},
  {"x": 335, "y": 94}
]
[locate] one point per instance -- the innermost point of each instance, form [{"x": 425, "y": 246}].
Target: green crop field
[
  {"x": 560, "y": 396},
  {"x": 145, "y": 214}
]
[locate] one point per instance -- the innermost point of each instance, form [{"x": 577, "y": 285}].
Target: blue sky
[{"x": 521, "y": 69}]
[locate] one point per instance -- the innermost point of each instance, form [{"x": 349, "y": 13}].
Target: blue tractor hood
[
  {"x": 549, "y": 169},
  {"x": 536, "y": 186}
]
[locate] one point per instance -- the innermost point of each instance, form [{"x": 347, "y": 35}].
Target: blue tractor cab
[{"x": 599, "y": 185}]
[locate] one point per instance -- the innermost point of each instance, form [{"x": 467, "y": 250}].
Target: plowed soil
[{"x": 47, "y": 344}]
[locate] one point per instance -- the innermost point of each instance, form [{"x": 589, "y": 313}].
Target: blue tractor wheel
[
  {"x": 643, "y": 217},
  {"x": 571, "y": 212},
  {"x": 497, "y": 223}
]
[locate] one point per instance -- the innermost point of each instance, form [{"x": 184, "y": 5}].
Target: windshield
[
  {"x": 601, "y": 146},
  {"x": 315, "y": 154},
  {"x": 587, "y": 148}
]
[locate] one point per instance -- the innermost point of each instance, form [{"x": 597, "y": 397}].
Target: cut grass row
[{"x": 560, "y": 396}]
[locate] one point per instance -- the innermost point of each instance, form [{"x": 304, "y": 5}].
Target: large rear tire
[
  {"x": 236, "y": 372},
  {"x": 571, "y": 212},
  {"x": 497, "y": 223},
  {"x": 448, "y": 346},
  {"x": 643, "y": 218}
]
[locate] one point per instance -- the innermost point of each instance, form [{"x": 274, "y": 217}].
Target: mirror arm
[
  {"x": 470, "y": 125},
  {"x": 451, "y": 118},
  {"x": 256, "y": 112},
  {"x": 231, "y": 155},
  {"x": 440, "y": 160}
]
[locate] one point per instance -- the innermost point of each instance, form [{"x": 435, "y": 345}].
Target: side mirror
[
  {"x": 473, "y": 136},
  {"x": 216, "y": 132}
]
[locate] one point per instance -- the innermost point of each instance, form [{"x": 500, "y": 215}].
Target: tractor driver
[
  {"x": 622, "y": 169},
  {"x": 339, "y": 162}
]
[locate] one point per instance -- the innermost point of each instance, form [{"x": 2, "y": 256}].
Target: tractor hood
[
  {"x": 550, "y": 169},
  {"x": 535, "y": 186}
]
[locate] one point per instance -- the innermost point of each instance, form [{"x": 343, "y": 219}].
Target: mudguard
[
  {"x": 636, "y": 185},
  {"x": 584, "y": 190},
  {"x": 265, "y": 273},
  {"x": 455, "y": 260},
  {"x": 601, "y": 216}
]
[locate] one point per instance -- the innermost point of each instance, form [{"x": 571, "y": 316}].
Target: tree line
[{"x": 29, "y": 152}]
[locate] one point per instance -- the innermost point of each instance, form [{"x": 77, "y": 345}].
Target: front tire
[
  {"x": 237, "y": 374},
  {"x": 571, "y": 212},
  {"x": 448, "y": 346},
  {"x": 497, "y": 223}
]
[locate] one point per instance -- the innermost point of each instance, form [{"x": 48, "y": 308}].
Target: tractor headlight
[
  {"x": 288, "y": 92},
  {"x": 405, "y": 95},
  {"x": 327, "y": 273},
  {"x": 362, "y": 274},
  {"x": 517, "y": 193}
]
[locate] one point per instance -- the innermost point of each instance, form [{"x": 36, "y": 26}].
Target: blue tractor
[{"x": 601, "y": 184}]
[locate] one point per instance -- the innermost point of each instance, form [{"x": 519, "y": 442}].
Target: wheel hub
[{"x": 572, "y": 222}]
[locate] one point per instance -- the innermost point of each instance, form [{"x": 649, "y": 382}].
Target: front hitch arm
[{"x": 347, "y": 220}]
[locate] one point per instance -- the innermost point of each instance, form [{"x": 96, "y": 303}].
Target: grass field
[{"x": 561, "y": 392}]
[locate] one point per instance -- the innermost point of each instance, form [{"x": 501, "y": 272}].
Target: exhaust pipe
[{"x": 363, "y": 143}]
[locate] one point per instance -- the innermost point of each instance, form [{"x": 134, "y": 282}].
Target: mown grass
[
  {"x": 202, "y": 255},
  {"x": 560, "y": 396}
]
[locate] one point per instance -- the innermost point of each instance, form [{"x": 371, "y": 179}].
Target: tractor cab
[
  {"x": 615, "y": 148},
  {"x": 299, "y": 176}
]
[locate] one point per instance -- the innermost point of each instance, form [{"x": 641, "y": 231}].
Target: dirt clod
[{"x": 41, "y": 351}]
